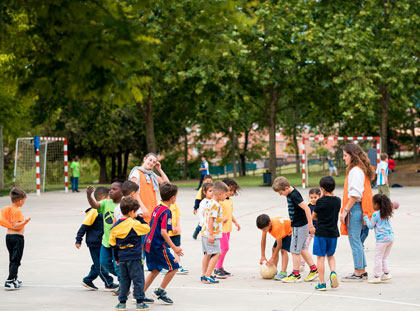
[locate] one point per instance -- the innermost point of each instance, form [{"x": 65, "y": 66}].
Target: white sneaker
[
  {"x": 386, "y": 276},
  {"x": 11, "y": 285},
  {"x": 375, "y": 280}
]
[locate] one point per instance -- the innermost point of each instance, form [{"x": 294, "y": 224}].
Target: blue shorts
[
  {"x": 285, "y": 243},
  {"x": 161, "y": 259},
  {"x": 324, "y": 246}
]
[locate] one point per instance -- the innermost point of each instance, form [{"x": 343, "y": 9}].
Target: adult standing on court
[
  {"x": 357, "y": 201},
  {"x": 373, "y": 159},
  {"x": 148, "y": 181},
  {"x": 75, "y": 174},
  {"x": 204, "y": 169}
]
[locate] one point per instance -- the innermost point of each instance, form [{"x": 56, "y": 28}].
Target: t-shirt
[
  {"x": 175, "y": 214},
  {"x": 205, "y": 165},
  {"x": 118, "y": 214},
  {"x": 296, "y": 213},
  {"x": 107, "y": 210},
  {"x": 330, "y": 163},
  {"x": 383, "y": 229},
  {"x": 373, "y": 156},
  {"x": 280, "y": 227},
  {"x": 312, "y": 206},
  {"x": 75, "y": 165},
  {"x": 214, "y": 210},
  {"x": 9, "y": 215},
  {"x": 199, "y": 194},
  {"x": 227, "y": 208},
  {"x": 202, "y": 211},
  {"x": 161, "y": 219},
  {"x": 380, "y": 180},
  {"x": 327, "y": 209}
]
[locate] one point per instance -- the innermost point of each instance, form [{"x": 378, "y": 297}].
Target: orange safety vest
[
  {"x": 366, "y": 203},
  {"x": 147, "y": 195}
]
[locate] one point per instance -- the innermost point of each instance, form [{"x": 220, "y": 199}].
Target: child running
[
  {"x": 198, "y": 199},
  {"x": 12, "y": 219},
  {"x": 125, "y": 238},
  {"x": 93, "y": 227},
  {"x": 384, "y": 236},
  {"x": 212, "y": 232},
  {"x": 314, "y": 195},
  {"x": 326, "y": 211},
  {"x": 157, "y": 255},
  {"x": 227, "y": 207},
  {"x": 300, "y": 216},
  {"x": 280, "y": 228}
]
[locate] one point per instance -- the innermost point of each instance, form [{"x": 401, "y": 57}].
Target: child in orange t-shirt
[
  {"x": 12, "y": 218},
  {"x": 280, "y": 228}
]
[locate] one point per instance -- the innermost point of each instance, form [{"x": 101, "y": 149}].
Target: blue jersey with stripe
[{"x": 161, "y": 219}]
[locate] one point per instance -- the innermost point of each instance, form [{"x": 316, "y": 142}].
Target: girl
[
  {"x": 384, "y": 236},
  {"x": 207, "y": 194},
  {"x": 228, "y": 218}
]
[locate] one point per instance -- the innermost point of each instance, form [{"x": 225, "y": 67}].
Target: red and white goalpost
[
  {"x": 44, "y": 169},
  {"x": 333, "y": 138}
]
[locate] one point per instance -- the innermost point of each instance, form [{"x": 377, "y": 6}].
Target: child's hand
[
  {"x": 270, "y": 262},
  {"x": 262, "y": 260},
  {"x": 77, "y": 245},
  {"x": 224, "y": 220},
  {"x": 195, "y": 212},
  {"x": 90, "y": 190},
  {"x": 174, "y": 230},
  {"x": 211, "y": 239},
  {"x": 117, "y": 262},
  {"x": 178, "y": 251},
  {"x": 27, "y": 220},
  {"x": 312, "y": 230},
  {"x": 343, "y": 218},
  {"x": 364, "y": 214},
  {"x": 238, "y": 227}
]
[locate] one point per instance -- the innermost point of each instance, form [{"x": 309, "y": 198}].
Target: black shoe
[
  {"x": 89, "y": 285},
  {"x": 77, "y": 191},
  {"x": 148, "y": 300},
  {"x": 225, "y": 272},
  {"x": 354, "y": 278},
  {"x": 142, "y": 306},
  {"x": 112, "y": 287},
  {"x": 161, "y": 295},
  {"x": 116, "y": 292},
  {"x": 220, "y": 274}
]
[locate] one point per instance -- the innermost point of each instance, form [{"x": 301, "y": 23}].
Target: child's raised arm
[
  {"x": 91, "y": 201},
  {"x": 307, "y": 210}
]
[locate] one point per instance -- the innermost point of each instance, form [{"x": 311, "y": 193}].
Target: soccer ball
[
  {"x": 268, "y": 271},
  {"x": 396, "y": 204}
]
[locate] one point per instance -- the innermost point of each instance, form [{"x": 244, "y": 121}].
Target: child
[
  {"x": 212, "y": 232},
  {"x": 314, "y": 195},
  {"x": 94, "y": 228},
  {"x": 175, "y": 234},
  {"x": 12, "y": 219},
  {"x": 157, "y": 255},
  {"x": 382, "y": 176},
  {"x": 227, "y": 207},
  {"x": 280, "y": 228},
  {"x": 384, "y": 236},
  {"x": 326, "y": 211},
  {"x": 126, "y": 242},
  {"x": 207, "y": 197},
  {"x": 199, "y": 197},
  {"x": 131, "y": 189},
  {"x": 300, "y": 216},
  {"x": 106, "y": 208}
]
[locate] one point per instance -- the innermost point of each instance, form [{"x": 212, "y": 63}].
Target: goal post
[
  {"x": 41, "y": 163},
  {"x": 304, "y": 157}
]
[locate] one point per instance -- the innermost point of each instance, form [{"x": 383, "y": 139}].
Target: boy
[
  {"x": 382, "y": 176},
  {"x": 212, "y": 232},
  {"x": 301, "y": 220},
  {"x": 94, "y": 228},
  {"x": 326, "y": 211},
  {"x": 106, "y": 208},
  {"x": 280, "y": 228},
  {"x": 131, "y": 189},
  {"x": 157, "y": 255},
  {"x": 175, "y": 234},
  {"x": 75, "y": 174},
  {"x": 12, "y": 219},
  {"x": 198, "y": 199},
  {"x": 125, "y": 238}
]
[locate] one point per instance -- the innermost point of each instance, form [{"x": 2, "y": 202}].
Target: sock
[
  {"x": 313, "y": 268},
  {"x": 296, "y": 272}
]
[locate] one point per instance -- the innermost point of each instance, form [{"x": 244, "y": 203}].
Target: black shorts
[{"x": 285, "y": 243}]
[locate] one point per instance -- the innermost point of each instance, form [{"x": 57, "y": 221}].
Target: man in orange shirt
[
  {"x": 12, "y": 218},
  {"x": 280, "y": 228}
]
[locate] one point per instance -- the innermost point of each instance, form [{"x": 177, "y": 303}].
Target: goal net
[
  {"x": 41, "y": 164},
  {"x": 323, "y": 155}
]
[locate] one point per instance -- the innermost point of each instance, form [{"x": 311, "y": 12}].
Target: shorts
[
  {"x": 210, "y": 249},
  {"x": 285, "y": 243},
  {"x": 161, "y": 259},
  {"x": 176, "y": 239},
  {"x": 324, "y": 246},
  {"x": 299, "y": 235},
  {"x": 332, "y": 169}
]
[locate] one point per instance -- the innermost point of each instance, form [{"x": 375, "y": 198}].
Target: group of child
[{"x": 318, "y": 220}]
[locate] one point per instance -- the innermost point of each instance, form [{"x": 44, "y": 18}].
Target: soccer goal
[
  {"x": 41, "y": 163},
  {"x": 331, "y": 142}
]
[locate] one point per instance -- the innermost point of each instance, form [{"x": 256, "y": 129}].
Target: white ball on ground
[{"x": 268, "y": 271}]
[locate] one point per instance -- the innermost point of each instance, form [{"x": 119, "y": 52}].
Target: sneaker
[
  {"x": 89, "y": 285},
  {"x": 120, "y": 307},
  {"x": 279, "y": 276},
  {"x": 364, "y": 276},
  {"x": 227, "y": 273},
  {"x": 292, "y": 278},
  {"x": 148, "y": 300},
  {"x": 220, "y": 274},
  {"x": 112, "y": 288},
  {"x": 20, "y": 283},
  {"x": 386, "y": 276},
  {"x": 209, "y": 280},
  {"x": 161, "y": 295},
  {"x": 142, "y": 306},
  {"x": 333, "y": 280},
  {"x": 116, "y": 292},
  {"x": 321, "y": 287},
  {"x": 164, "y": 271},
  {"x": 311, "y": 276},
  {"x": 375, "y": 280},
  {"x": 11, "y": 285},
  {"x": 181, "y": 270},
  {"x": 352, "y": 278}
]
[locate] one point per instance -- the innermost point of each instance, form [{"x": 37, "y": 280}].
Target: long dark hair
[
  {"x": 359, "y": 158},
  {"x": 205, "y": 188},
  {"x": 384, "y": 204}
]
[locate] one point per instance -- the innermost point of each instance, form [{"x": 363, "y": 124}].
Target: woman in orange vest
[
  {"x": 148, "y": 181},
  {"x": 357, "y": 201}
]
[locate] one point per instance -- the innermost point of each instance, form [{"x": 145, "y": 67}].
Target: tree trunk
[
  {"x": 242, "y": 155},
  {"x": 103, "y": 176},
  {"x": 146, "y": 108},
  {"x": 185, "y": 173},
  {"x": 271, "y": 117},
  {"x": 126, "y": 157},
  {"x": 113, "y": 167},
  {"x": 1, "y": 158},
  {"x": 384, "y": 100},
  {"x": 119, "y": 165},
  {"x": 413, "y": 132},
  {"x": 233, "y": 151},
  {"x": 295, "y": 142}
]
